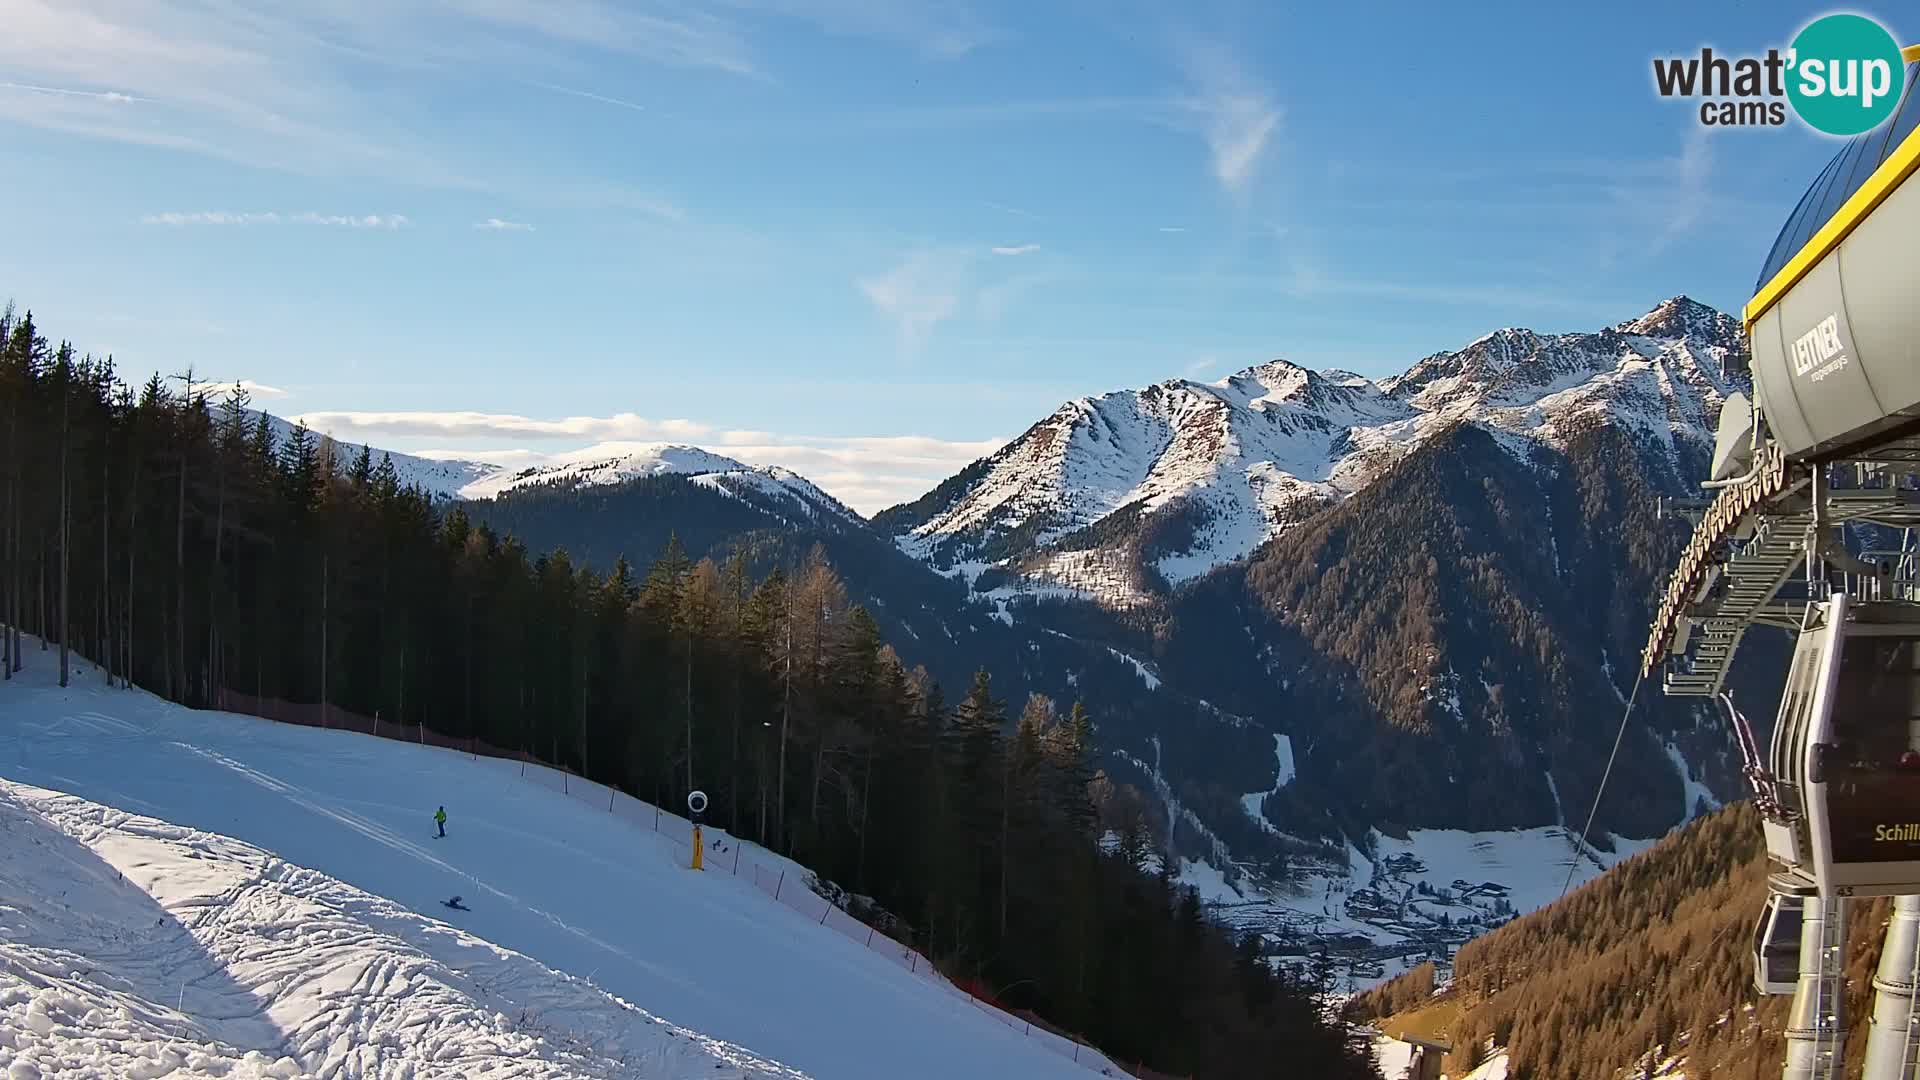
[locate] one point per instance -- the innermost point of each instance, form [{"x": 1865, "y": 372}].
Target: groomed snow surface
[
  {"x": 1395, "y": 1058},
  {"x": 218, "y": 895},
  {"x": 134, "y": 948}
]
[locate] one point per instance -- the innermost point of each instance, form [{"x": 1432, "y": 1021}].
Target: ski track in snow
[
  {"x": 1283, "y": 775},
  {"x": 1696, "y": 792},
  {"x": 292, "y": 877}
]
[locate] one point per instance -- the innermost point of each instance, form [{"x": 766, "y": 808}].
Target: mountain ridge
[{"x": 1226, "y": 466}]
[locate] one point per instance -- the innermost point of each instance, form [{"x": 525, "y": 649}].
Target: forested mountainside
[
  {"x": 1459, "y": 640},
  {"x": 1649, "y": 962},
  {"x": 189, "y": 551}
]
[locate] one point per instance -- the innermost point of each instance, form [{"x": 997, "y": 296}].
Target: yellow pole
[{"x": 697, "y": 847}]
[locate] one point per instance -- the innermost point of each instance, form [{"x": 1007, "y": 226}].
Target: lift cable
[{"x": 1580, "y": 848}]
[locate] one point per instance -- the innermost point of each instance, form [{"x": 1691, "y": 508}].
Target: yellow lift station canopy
[{"x": 1835, "y": 318}]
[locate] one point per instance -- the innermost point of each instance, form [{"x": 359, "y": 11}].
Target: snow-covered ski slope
[
  {"x": 599, "y": 895},
  {"x": 133, "y": 948}
]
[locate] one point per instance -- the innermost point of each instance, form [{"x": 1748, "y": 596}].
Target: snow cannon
[
  {"x": 697, "y": 806},
  {"x": 1834, "y": 325}
]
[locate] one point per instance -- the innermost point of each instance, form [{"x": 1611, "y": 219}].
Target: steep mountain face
[
  {"x": 1456, "y": 644},
  {"x": 1434, "y": 587},
  {"x": 1233, "y": 458},
  {"x": 1120, "y": 498}
]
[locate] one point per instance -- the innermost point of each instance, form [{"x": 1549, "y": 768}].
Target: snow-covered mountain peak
[
  {"x": 1340, "y": 377},
  {"x": 1225, "y": 466},
  {"x": 1683, "y": 317},
  {"x": 605, "y": 463}
]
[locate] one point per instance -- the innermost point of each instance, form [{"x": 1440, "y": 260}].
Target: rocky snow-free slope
[{"x": 1117, "y": 496}]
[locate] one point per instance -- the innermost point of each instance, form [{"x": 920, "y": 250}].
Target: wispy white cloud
[
  {"x": 993, "y": 300},
  {"x": 679, "y": 36},
  {"x": 1173, "y": 228},
  {"x": 111, "y": 96},
  {"x": 934, "y": 28},
  {"x": 1014, "y": 210},
  {"x": 1201, "y": 366},
  {"x": 210, "y": 217},
  {"x": 1237, "y": 113},
  {"x": 919, "y": 294},
  {"x": 588, "y": 95},
  {"x": 1686, "y": 200},
  {"x": 501, "y": 225},
  {"x": 501, "y": 426},
  {"x": 223, "y": 217},
  {"x": 931, "y": 286},
  {"x": 285, "y": 86}
]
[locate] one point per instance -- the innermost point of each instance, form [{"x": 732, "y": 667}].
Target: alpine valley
[{"x": 1356, "y": 651}]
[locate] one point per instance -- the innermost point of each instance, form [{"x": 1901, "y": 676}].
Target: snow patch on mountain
[
  {"x": 1283, "y": 775},
  {"x": 1697, "y": 793},
  {"x": 1146, "y": 674}
]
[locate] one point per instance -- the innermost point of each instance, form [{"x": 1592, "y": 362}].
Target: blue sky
[{"x": 862, "y": 238}]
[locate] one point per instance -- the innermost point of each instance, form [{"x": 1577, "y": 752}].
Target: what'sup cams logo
[{"x": 1842, "y": 75}]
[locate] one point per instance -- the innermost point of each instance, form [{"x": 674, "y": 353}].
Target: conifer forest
[{"x": 158, "y": 533}]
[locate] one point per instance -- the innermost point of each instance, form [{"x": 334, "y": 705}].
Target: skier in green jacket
[{"x": 440, "y": 819}]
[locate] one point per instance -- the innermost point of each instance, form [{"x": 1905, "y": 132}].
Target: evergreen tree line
[{"x": 169, "y": 538}]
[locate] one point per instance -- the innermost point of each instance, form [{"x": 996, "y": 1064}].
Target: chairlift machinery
[{"x": 1830, "y": 442}]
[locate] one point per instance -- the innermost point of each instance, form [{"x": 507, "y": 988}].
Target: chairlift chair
[
  {"x": 1846, "y": 751},
  {"x": 1776, "y": 937}
]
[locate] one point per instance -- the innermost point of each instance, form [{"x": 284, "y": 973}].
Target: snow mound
[{"x": 131, "y": 947}]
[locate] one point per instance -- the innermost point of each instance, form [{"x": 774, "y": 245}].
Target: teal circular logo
[{"x": 1845, "y": 74}]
